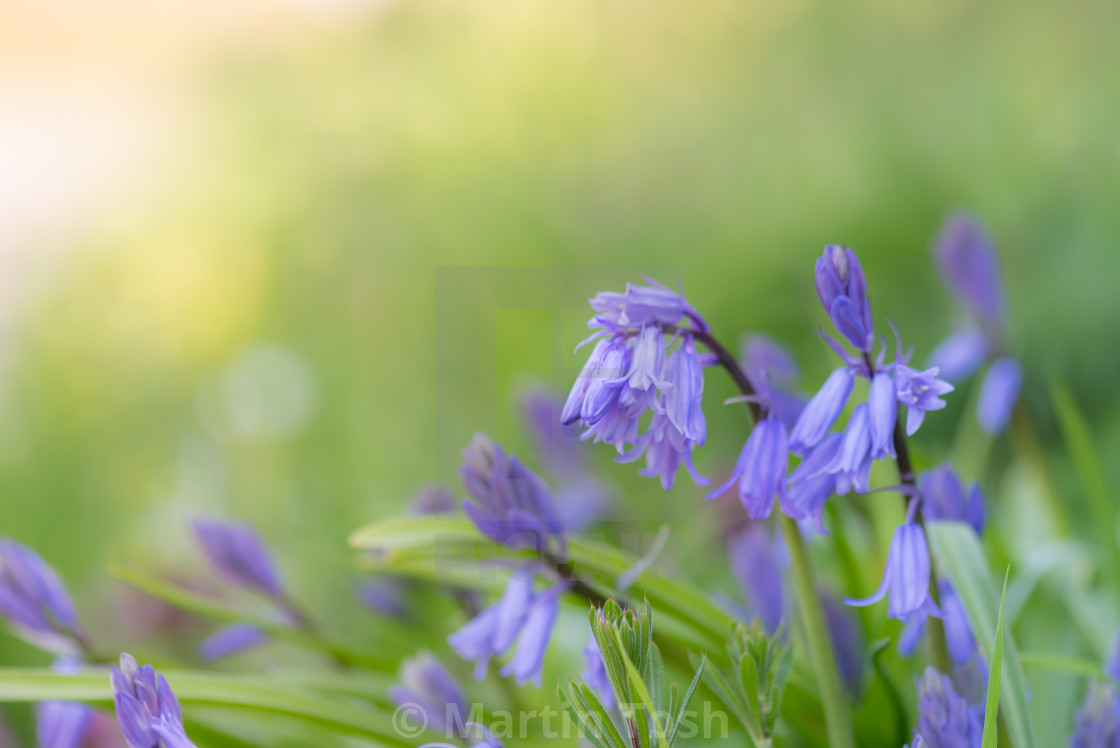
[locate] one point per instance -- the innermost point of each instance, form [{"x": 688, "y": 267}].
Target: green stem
[{"x": 837, "y": 718}]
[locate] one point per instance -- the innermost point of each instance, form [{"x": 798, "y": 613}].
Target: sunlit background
[{"x": 278, "y": 259}]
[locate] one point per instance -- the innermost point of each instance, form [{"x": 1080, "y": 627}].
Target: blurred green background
[{"x": 369, "y": 228}]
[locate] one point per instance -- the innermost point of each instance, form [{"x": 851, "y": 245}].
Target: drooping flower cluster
[
  {"x": 945, "y": 719},
  {"x": 631, "y": 372},
  {"x": 521, "y": 615},
  {"x": 236, "y": 553},
  {"x": 147, "y": 710},
  {"x": 969, "y": 268}
]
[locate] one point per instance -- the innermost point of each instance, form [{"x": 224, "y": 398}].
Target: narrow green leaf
[
  {"x": 685, "y": 701},
  {"x": 1062, "y": 664},
  {"x": 260, "y": 694},
  {"x": 995, "y": 670},
  {"x": 960, "y": 557},
  {"x": 188, "y": 601},
  {"x": 1079, "y": 438},
  {"x": 647, "y": 702}
]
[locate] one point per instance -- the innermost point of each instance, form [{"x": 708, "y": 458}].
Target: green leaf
[
  {"x": 898, "y": 706},
  {"x": 430, "y": 548},
  {"x": 995, "y": 670},
  {"x": 1062, "y": 664},
  {"x": 258, "y": 694},
  {"x": 588, "y": 711},
  {"x": 960, "y": 557},
  {"x": 1079, "y": 438},
  {"x": 188, "y": 601},
  {"x": 682, "y": 710}
]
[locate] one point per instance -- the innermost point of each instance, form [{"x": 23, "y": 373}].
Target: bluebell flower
[
  {"x": 998, "y": 394},
  {"x": 810, "y": 484},
  {"x": 236, "y": 637},
  {"x": 147, "y": 710},
  {"x": 758, "y": 559},
  {"x": 882, "y": 410},
  {"x": 682, "y": 402},
  {"x": 511, "y": 504},
  {"x": 960, "y": 354},
  {"x": 919, "y": 391},
  {"x": 945, "y": 719},
  {"x": 520, "y": 615},
  {"x": 906, "y": 578},
  {"x": 842, "y": 289},
  {"x": 638, "y": 306},
  {"x": 852, "y": 463},
  {"x": 958, "y": 632},
  {"x": 62, "y": 724},
  {"x": 664, "y": 449},
  {"x": 595, "y": 673},
  {"x": 761, "y": 469},
  {"x": 602, "y": 378},
  {"x": 944, "y": 498},
  {"x": 237, "y": 553},
  {"x": 969, "y": 267},
  {"x": 426, "y": 684},
  {"x": 821, "y": 411},
  {"x": 35, "y": 602},
  {"x": 1097, "y": 723}
]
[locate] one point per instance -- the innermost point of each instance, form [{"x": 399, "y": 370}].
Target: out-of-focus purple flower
[
  {"x": 758, "y": 560},
  {"x": 810, "y": 484},
  {"x": 969, "y": 266},
  {"x": 906, "y": 578},
  {"x": 761, "y": 469},
  {"x": 237, "y": 637},
  {"x": 852, "y": 463},
  {"x": 426, "y": 685},
  {"x": 822, "y": 411},
  {"x": 882, "y": 409},
  {"x": 35, "y": 602},
  {"x": 958, "y": 633},
  {"x": 7, "y": 740},
  {"x": 433, "y": 499},
  {"x": 945, "y": 720},
  {"x": 147, "y": 710},
  {"x": 62, "y": 724},
  {"x": 943, "y": 498},
  {"x": 382, "y": 594},
  {"x": 559, "y": 445},
  {"x": 595, "y": 674},
  {"x": 478, "y": 732},
  {"x": 998, "y": 394},
  {"x": 519, "y": 615},
  {"x": 512, "y": 505},
  {"x": 1097, "y": 723},
  {"x": 638, "y": 306},
  {"x": 237, "y": 553},
  {"x": 847, "y": 641},
  {"x": 919, "y": 391},
  {"x": 1112, "y": 667},
  {"x": 842, "y": 289},
  {"x": 770, "y": 367},
  {"x": 960, "y": 354}
]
